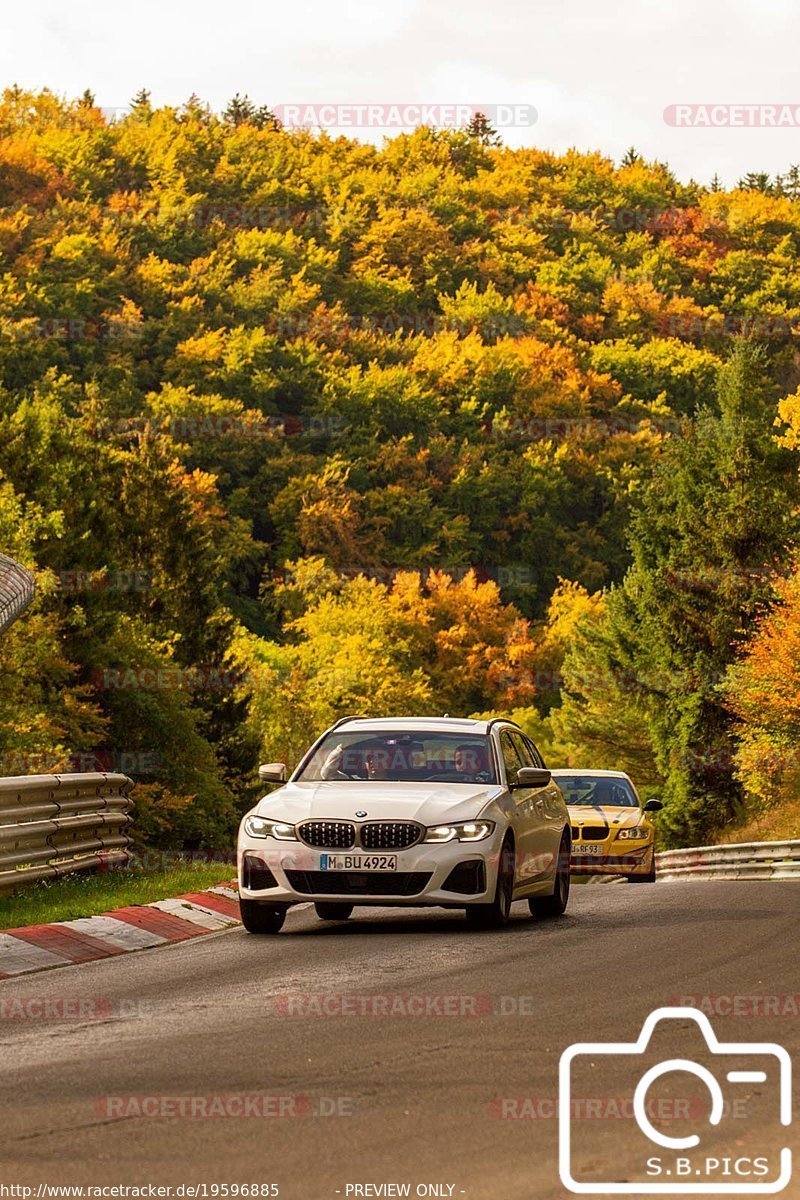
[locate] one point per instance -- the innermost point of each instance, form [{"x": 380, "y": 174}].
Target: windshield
[
  {"x": 407, "y": 757},
  {"x": 598, "y": 791}
]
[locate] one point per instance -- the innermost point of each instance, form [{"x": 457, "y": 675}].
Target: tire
[
  {"x": 258, "y": 917},
  {"x": 496, "y": 914},
  {"x": 555, "y": 905},
  {"x": 329, "y": 910}
]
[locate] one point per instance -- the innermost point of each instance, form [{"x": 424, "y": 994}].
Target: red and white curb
[{"x": 139, "y": 927}]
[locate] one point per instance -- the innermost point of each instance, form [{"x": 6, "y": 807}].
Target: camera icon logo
[{"x": 680, "y": 1165}]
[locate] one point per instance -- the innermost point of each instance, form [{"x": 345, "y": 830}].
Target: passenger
[
  {"x": 332, "y": 767},
  {"x": 377, "y": 763}
]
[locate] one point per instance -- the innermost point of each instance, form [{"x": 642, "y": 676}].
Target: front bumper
[
  {"x": 454, "y": 874},
  {"x": 619, "y": 859}
]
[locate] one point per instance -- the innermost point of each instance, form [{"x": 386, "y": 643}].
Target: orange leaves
[
  {"x": 476, "y": 649},
  {"x": 26, "y": 177},
  {"x": 200, "y": 488},
  {"x": 766, "y": 682},
  {"x": 454, "y": 638},
  {"x": 763, "y": 691}
]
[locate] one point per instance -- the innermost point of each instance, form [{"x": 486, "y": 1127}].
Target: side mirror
[
  {"x": 533, "y": 777},
  {"x": 653, "y": 806},
  {"x": 272, "y": 772}
]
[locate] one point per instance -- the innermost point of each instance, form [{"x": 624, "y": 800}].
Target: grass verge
[
  {"x": 779, "y": 824},
  {"x": 87, "y": 895}
]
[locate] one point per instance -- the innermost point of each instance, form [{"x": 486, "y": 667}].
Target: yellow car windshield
[{"x": 597, "y": 791}]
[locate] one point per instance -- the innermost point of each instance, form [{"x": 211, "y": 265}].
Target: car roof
[
  {"x": 562, "y": 772},
  {"x": 465, "y": 725}
]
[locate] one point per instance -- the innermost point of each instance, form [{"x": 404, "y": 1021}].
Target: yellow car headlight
[{"x": 636, "y": 834}]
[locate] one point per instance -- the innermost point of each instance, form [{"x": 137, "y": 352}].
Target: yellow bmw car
[{"x": 612, "y": 832}]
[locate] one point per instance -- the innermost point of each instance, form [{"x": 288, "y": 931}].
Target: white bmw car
[{"x": 412, "y": 811}]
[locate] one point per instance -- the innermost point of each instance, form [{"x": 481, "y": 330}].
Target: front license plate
[
  {"x": 358, "y": 862},
  {"x": 581, "y": 848}
]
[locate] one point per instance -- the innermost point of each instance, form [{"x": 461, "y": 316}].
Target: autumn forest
[{"x": 294, "y": 426}]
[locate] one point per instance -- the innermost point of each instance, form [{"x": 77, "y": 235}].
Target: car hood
[
  {"x": 428, "y": 803},
  {"x": 616, "y": 818}
]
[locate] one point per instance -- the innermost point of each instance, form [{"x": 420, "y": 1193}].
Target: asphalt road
[{"x": 380, "y": 1099}]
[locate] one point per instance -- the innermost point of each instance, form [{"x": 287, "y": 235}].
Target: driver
[
  {"x": 343, "y": 763},
  {"x": 603, "y": 795},
  {"x": 470, "y": 760}
]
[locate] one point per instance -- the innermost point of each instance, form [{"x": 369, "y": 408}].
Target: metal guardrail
[
  {"x": 17, "y": 589},
  {"x": 738, "y": 860},
  {"x": 53, "y": 825}
]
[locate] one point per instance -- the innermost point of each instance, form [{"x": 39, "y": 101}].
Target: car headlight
[
  {"x": 463, "y": 831},
  {"x": 637, "y": 834},
  {"x": 263, "y": 827}
]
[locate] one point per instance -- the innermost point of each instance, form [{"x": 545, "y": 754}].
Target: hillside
[{"x": 293, "y": 427}]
